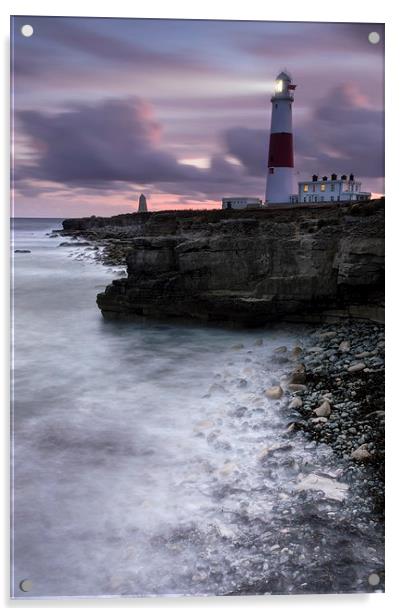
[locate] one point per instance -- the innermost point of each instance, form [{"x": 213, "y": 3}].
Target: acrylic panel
[{"x": 197, "y": 304}]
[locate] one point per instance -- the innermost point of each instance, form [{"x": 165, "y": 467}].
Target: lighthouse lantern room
[{"x": 279, "y": 185}]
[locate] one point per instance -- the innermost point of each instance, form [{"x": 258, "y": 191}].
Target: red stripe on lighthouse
[{"x": 281, "y": 150}]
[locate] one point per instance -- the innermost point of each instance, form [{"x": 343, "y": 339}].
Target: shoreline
[
  {"x": 337, "y": 398},
  {"x": 353, "y": 422},
  {"x": 345, "y": 358},
  {"x": 311, "y": 541}
]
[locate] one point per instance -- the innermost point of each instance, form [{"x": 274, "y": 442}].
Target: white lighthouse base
[{"x": 279, "y": 185}]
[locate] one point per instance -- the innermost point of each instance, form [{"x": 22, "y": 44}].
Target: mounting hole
[
  {"x": 374, "y": 579},
  {"x": 374, "y": 38},
  {"x": 27, "y": 30},
  {"x": 26, "y": 585}
]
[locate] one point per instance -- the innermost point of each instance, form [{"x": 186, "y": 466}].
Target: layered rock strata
[{"x": 248, "y": 267}]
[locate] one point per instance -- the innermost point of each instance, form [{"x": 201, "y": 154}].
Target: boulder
[
  {"x": 344, "y": 346},
  {"x": 280, "y": 350},
  {"x": 298, "y": 375},
  {"x": 357, "y": 367},
  {"x": 296, "y": 403},
  {"x": 274, "y": 393},
  {"x": 324, "y": 410},
  {"x": 296, "y": 387},
  {"x": 361, "y": 454},
  {"x": 315, "y": 349}
]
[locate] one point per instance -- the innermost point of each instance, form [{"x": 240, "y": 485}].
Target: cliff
[{"x": 250, "y": 267}]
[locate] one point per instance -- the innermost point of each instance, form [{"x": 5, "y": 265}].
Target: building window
[
  {"x": 332, "y": 198},
  {"x": 314, "y": 187},
  {"x": 306, "y": 187},
  {"x": 315, "y": 199},
  {"x": 332, "y": 187},
  {"x": 322, "y": 187}
]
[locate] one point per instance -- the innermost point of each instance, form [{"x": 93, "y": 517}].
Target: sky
[{"x": 104, "y": 109}]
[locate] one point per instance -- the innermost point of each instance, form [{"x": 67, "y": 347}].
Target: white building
[
  {"x": 239, "y": 203},
  {"x": 330, "y": 189}
]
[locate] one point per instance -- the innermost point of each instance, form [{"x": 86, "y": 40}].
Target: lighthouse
[{"x": 279, "y": 185}]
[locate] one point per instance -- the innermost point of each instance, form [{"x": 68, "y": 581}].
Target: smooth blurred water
[{"x": 130, "y": 455}]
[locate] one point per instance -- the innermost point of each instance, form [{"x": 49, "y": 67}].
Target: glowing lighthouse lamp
[{"x": 279, "y": 185}]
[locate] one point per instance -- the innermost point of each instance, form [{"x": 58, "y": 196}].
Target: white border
[{"x": 340, "y": 10}]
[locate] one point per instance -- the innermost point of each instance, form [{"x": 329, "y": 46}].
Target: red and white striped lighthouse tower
[{"x": 279, "y": 185}]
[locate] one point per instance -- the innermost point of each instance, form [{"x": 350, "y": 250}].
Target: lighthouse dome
[{"x": 283, "y": 76}]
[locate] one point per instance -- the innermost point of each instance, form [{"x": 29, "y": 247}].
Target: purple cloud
[
  {"x": 111, "y": 141},
  {"x": 341, "y": 134},
  {"x": 117, "y": 142}
]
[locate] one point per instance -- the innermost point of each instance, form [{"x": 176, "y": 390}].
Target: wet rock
[
  {"x": 344, "y": 346},
  {"x": 296, "y": 352},
  {"x": 215, "y": 389},
  {"x": 361, "y": 454},
  {"x": 296, "y": 403},
  {"x": 274, "y": 393},
  {"x": 327, "y": 335},
  {"x": 228, "y": 468},
  {"x": 268, "y": 451},
  {"x": 331, "y": 488},
  {"x": 296, "y": 387},
  {"x": 298, "y": 375},
  {"x": 225, "y": 531},
  {"x": 237, "y": 347},
  {"x": 319, "y": 420},
  {"x": 356, "y": 367},
  {"x": 324, "y": 410},
  {"x": 362, "y": 355},
  {"x": 259, "y": 342}
]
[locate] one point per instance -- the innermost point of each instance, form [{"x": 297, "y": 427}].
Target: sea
[{"x": 146, "y": 458}]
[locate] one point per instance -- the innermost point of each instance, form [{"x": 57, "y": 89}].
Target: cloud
[
  {"x": 112, "y": 145},
  {"x": 249, "y": 146},
  {"x": 117, "y": 144},
  {"x": 65, "y": 39},
  {"x": 93, "y": 145},
  {"x": 341, "y": 134}
]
